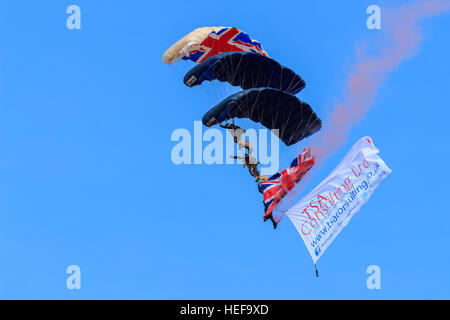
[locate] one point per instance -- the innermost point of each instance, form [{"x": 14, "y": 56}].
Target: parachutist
[
  {"x": 252, "y": 164},
  {"x": 236, "y": 133}
]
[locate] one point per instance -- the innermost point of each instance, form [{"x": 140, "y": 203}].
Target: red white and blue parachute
[{"x": 203, "y": 43}]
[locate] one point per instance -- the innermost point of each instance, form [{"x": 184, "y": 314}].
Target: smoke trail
[{"x": 405, "y": 35}]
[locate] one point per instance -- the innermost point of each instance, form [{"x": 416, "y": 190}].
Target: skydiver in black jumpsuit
[
  {"x": 252, "y": 166},
  {"x": 237, "y": 133}
]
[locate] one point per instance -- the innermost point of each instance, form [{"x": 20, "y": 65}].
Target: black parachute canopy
[
  {"x": 247, "y": 70},
  {"x": 273, "y": 108}
]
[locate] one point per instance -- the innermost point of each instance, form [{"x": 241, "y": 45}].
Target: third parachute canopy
[{"x": 273, "y": 108}]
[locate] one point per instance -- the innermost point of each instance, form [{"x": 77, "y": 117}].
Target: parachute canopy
[
  {"x": 247, "y": 70},
  {"x": 206, "y": 42},
  {"x": 273, "y": 108}
]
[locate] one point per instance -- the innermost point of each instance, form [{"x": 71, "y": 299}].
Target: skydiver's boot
[
  {"x": 273, "y": 222},
  {"x": 271, "y": 219}
]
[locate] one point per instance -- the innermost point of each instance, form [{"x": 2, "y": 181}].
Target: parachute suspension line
[
  {"x": 307, "y": 124},
  {"x": 274, "y": 119},
  {"x": 228, "y": 67},
  {"x": 300, "y": 124},
  {"x": 242, "y": 107},
  {"x": 237, "y": 68},
  {"x": 292, "y": 84},
  {"x": 284, "y": 126},
  {"x": 306, "y": 127}
]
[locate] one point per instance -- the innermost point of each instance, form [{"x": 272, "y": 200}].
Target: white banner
[{"x": 324, "y": 212}]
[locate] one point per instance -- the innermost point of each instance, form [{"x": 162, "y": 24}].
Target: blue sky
[{"x": 86, "y": 176}]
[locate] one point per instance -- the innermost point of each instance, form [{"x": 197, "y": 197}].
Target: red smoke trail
[
  {"x": 401, "y": 26},
  {"x": 405, "y": 35}
]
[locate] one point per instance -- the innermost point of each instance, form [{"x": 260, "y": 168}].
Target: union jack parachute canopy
[{"x": 203, "y": 43}]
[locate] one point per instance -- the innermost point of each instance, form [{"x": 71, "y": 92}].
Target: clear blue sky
[{"x": 86, "y": 176}]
